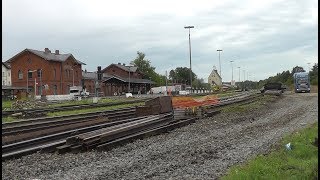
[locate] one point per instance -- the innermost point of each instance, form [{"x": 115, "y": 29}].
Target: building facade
[
  {"x": 214, "y": 78},
  {"x": 45, "y": 72},
  {"x": 115, "y": 80},
  {"x": 6, "y": 74}
]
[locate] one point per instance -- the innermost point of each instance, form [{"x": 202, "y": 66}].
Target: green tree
[
  {"x": 144, "y": 66},
  {"x": 182, "y": 75},
  {"x": 297, "y": 69},
  {"x": 314, "y": 74}
]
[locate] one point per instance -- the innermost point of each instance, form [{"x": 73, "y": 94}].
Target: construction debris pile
[{"x": 27, "y": 104}]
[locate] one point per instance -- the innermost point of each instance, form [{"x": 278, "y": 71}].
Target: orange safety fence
[{"x": 185, "y": 102}]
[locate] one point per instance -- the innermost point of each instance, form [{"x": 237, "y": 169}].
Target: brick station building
[
  {"x": 115, "y": 80},
  {"x": 53, "y": 72}
]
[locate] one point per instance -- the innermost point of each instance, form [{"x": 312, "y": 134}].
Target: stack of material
[
  {"x": 27, "y": 104},
  {"x": 158, "y": 105},
  {"x": 105, "y": 135}
]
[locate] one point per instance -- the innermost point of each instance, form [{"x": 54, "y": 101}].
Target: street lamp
[
  {"x": 189, "y": 27},
  {"x": 232, "y": 72},
  {"x": 41, "y": 81},
  {"x": 28, "y": 80},
  {"x": 130, "y": 65},
  {"x": 219, "y": 50}
]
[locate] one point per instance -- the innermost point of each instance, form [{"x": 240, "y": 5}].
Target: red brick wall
[{"x": 22, "y": 63}]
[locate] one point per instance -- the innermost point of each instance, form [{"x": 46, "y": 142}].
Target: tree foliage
[
  {"x": 286, "y": 77},
  {"x": 182, "y": 75}
]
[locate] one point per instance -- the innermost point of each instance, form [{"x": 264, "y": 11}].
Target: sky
[{"x": 263, "y": 38}]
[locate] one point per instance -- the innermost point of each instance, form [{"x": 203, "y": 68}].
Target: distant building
[
  {"x": 115, "y": 80},
  {"x": 6, "y": 74},
  {"x": 214, "y": 78}
]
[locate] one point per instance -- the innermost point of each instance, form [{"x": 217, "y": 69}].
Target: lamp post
[
  {"x": 232, "y": 72},
  {"x": 189, "y": 27},
  {"x": 219, "y": 50},
  {"x": 131, "y": 64},
  {"x": 28, "y": 80},
  {"x": 166, "y": 84},
  {"x": 41, "y": 81}
]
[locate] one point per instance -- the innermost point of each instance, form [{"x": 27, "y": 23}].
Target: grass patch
[
  {"x": 8, "y": 119},
  {"x": 79, "y": 111},
  {"x": 6, "y": 104},
  {"x": 259, "y": 103},
  {"x": 299, "y": 163}
]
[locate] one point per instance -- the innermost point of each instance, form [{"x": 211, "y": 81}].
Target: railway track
[
  {"x": 68, "y": 107},
  {"x": 112, "y": 129}
]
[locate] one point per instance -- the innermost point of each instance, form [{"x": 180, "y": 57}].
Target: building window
[
  {"x": 9, "y": 74},
  {"x": 39, "y": 72},
  {"x": 20, "y": 75},
  {"x": 29, "y": 74},
  {"x": 54, "y": 73},
  {"x": 55, "y": 89}
]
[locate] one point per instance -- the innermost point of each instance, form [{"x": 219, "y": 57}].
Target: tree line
[
  {"x": 286, "y": 77},
  {"x": 181, "y": 75}
]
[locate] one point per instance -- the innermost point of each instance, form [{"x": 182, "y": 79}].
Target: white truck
[{"x": 78, "y": 91}]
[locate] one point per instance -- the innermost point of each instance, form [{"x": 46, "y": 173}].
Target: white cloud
[{"x": 255, "y": 34}]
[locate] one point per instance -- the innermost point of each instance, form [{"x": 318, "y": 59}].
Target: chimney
[
  {"x": 57, "y": 52},
  {"x": 46, "y": 50}
]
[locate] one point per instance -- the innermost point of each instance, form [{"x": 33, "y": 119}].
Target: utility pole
[
  {"x": 189, "y": 27},
  {"x": 166, "y": 84},
  {"x": 232, "y": 72},
  {"x": 219, "y": 50}
]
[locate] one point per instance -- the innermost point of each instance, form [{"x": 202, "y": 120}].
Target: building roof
[
  {"x": 126, "y": 80},
  {"x": 48, "y": 56},
  {"x": 124, "y": 67},
  {"x": 89, "y": 75},
  {"x": 6, "y": 64}
]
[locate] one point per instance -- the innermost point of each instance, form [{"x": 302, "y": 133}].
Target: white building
[
  {"x": 214, "y": 78},
  {"x": 6, "y": 74}
]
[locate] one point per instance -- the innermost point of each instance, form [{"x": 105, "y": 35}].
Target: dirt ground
[{"x": 203, "y": 150}]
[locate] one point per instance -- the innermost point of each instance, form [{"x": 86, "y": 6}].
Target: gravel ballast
[{"x": 202, "y": 150}]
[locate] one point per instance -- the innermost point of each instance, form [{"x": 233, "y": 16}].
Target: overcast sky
[{"x": 261, "y": 37}]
